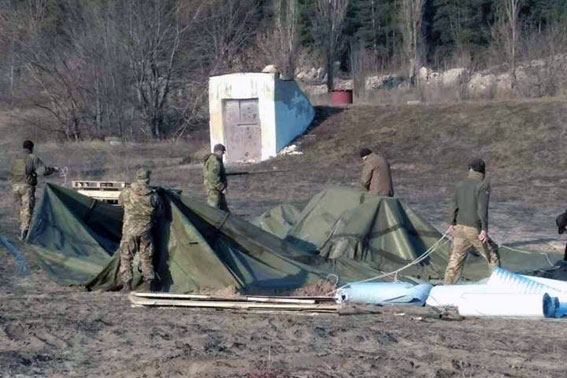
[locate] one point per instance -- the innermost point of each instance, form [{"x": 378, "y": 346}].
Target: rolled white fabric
[
  {"x": 501, "y": 279},
  {"x": 448, "y": 295},
  {"x": 507, "y": 305},
  {"x": 556, "y": 284}
]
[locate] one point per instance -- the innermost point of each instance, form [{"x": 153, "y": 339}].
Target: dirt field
[{"x": 49, "y": 330}]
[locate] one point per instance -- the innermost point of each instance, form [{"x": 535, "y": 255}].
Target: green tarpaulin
[
  {"x": 342, "y": 231},
  {"x": 382, "y": 232},
  {"x": 197, "y": 248}
]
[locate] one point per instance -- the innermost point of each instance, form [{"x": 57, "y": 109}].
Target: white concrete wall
[
  {"x": 244, "y": 86},
  {"x": 284, "y": 111},
  {"x": 294, "y": 112}
]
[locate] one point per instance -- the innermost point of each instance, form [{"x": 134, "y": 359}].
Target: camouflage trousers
[
  {"x": 465, "y": 238},
  {"x": 217, "y": 199},
  {"x": 142, "y": 245},
  {"x": 25, "y": 198}
]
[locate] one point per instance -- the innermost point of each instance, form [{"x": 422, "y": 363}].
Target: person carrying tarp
[
  {"x": 23, "y": 179},
  {"x": 141, "y": 208},
  {"x": 215, "y": 178},
  {"x": 376, "y": 177},
  {"x": 469, "y": 222}
]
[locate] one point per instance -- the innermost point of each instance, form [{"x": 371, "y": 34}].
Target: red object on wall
[{"x": 341, "y": 97}]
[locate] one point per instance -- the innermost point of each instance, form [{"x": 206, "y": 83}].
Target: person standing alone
[
  {"x": 215, "y": 178},
  {"x": 23, "y": 179},
  {"x": 376, "y": 176},
  {"x": 469, "y": 222}
]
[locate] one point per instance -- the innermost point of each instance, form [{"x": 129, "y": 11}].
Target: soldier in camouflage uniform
[
  {"x": 469, "y": 222},
  {"x": 23, "y": 179},
  {"x": 141, "y": 207},
  {"x": 215, "y": 178}
]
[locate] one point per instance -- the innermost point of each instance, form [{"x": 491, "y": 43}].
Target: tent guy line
[{"x": 429, "y": 252}]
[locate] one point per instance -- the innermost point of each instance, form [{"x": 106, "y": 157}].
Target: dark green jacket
[{"x": 470, "y": 202}]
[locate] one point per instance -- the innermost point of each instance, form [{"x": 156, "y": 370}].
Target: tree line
[{"x": 139, "y": 68}]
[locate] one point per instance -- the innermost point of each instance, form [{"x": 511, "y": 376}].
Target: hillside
[
  {"x": 428, "y": 147},
  {"x": 522, "y": 143}
]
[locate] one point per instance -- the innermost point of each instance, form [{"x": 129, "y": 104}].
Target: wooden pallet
[
  {"x": 105, "y": 191},
  {"x": 99, "y": 185},
  {"x": 250, "y": 303}
]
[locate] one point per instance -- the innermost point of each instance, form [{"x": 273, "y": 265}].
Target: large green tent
[
  {"x": 197, "y": 248},
  {"x": 382, "y": 232},
  {"x": 342, "y": 231}
]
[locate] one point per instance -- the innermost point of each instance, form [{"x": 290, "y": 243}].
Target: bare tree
[
  {"x": 511, "y": 31},
  {"x": 280, "y": 43},
  {"x": 411, "y": 16},
  {"x": 60, "y": 79},
  {"x": 151, "y": 41},
  {"x": 328, "y": 22}
]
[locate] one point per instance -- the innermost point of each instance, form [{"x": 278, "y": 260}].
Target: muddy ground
[
  {"x": 48, "y": 330},
  {"x": 51, "y": 331}
]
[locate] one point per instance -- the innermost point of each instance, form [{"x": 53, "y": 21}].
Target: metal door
[{"x": 242, "y": 130}]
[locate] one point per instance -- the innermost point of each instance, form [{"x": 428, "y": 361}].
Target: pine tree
[
  {"x": 378, "y": 28},
  {"x": 460, "y": 26}
]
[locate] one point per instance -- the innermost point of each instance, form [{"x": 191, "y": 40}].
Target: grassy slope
[
  {"x": 427, "y": 145},
  {"x": 522, "y": 142}
]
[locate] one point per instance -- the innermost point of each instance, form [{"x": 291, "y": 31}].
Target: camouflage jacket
[
  {"x": 469, "y": 206},
  {"x": 25, "y": 167},
  {"x": 141, "y": 206},
  {"x": 214, "y": 174}
]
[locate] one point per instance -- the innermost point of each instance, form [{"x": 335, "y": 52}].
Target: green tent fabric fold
[
  {"x": 341, "y": 232},
  {"x": 382, "y": 232},
  {"x": 197, "y": 248}
]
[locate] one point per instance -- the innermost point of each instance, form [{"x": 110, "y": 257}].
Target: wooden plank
[
  {"x": 176, "y": 296},
  {"x": 306, "y": 297},
  {"x": 100, "y": 194},
  {"x": 232, "y": 305},
  {"x": 280, "y": 300},
  {"x": 237, "y": 299}
]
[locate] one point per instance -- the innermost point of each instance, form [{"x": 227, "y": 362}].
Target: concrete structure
[{"x": 255, "y": 115}]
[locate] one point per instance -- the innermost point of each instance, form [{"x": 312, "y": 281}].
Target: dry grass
[{"x": 428, "y": 147}]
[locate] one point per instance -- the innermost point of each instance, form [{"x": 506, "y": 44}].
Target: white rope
[
  {"x": 551, "y": 264},
  {"x": 425, "y": 255}
]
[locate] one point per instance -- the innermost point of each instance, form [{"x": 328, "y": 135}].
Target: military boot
[
  {"x": 145, "y": 287},
  {"x": 126, "y": 287}
]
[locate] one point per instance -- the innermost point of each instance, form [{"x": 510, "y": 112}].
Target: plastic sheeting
[
  {"x": 449, "y": 295},
  {"x": 507, "y": 288},
  {"x": 384, "y": 293},
  {"x": 507, "y": 305},
  {"x": 556, "y": 284},
  {"x": 503, "y": 280}
]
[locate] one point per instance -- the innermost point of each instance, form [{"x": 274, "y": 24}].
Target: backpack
[{"x": 18, "y": 170}]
